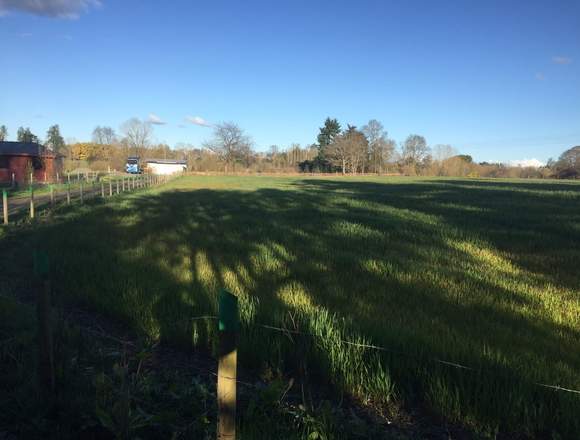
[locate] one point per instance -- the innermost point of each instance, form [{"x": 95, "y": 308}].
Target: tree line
[{"x": 348, "y": 150}]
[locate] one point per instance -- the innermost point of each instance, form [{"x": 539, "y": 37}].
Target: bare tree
[
  {"x": 358, "y": 149},
  {"x": 3, "y": 133},
  {"x": 229, "y": 143},
  {"x": 442, "y": 152},
  {"x": 137, "y": 135},
  {"x": 104, "y": 135},
  {"x": 381, "y": 148},
  {"x": 348, "y": 150},
  {"x": 415, "y": 151},
  {"x": 338, "y": 152}
]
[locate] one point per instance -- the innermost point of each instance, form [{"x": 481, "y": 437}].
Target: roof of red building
[{"x": 8, "y": 148}]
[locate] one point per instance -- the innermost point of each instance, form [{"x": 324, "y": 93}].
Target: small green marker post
[
  {"x": 45, "y": 350},
  {"x": 227, "y": 365}
]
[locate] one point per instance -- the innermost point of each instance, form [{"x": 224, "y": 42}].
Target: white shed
[{"x": 165, "y": 166}]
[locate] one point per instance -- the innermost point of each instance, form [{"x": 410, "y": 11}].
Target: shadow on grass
[{"x": 444, "y": 269}]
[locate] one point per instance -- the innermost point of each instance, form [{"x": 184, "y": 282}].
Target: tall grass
[{"x": 474, "y": 272}]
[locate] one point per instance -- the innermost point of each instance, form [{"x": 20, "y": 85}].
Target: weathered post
[
  {"x": 5, "y": 205},
  {"x": 45, "y": 354},
  {"x": 51, "y": 195},
  {"x": 13, "y": 181},
  {"x": 31, "y": 198},
  {"x": 68, "y": 192},
  {"x": 123, "y": 183},
  {"x": 227, "y": 365},
  {"x": 81, "y": 191},
  {"x": 117, "y": 182},
  {"x": 110, "y": 188}
]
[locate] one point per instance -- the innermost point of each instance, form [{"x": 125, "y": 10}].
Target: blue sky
[{"x": 496, "y": 79}]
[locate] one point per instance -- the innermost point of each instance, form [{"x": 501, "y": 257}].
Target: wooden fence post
[
  {"x": 51, "y": 195},
  {"x": 103, "y": 190},
  {"x": 117, "y": 182},
  {"x": 81, "y": 191},
  {"x": 68, "y": 192},
  {"x": 45, "y": 353},
  {"x": 5, "y": 205},
  {"x": 110, "y": 188},
  {"x": 123, "y": 183},
  {"x": 227, "y": 365},
  {"x": 31, "y": 201}
]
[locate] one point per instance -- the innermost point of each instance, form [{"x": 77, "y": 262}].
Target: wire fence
[
  {"x": 28, "y": 203},
  {"x": 384, "y": 349}
]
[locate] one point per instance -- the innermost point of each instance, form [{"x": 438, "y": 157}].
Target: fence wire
[{"x": 388, "y": 350}]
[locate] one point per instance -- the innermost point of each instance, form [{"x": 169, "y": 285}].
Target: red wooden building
[{"x": 19, "y": 159}]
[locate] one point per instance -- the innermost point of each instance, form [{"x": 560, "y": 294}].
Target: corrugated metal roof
[{"x": 8, "y": 148}]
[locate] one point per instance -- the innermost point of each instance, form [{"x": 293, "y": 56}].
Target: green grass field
[{"x": 481, "y": 273}]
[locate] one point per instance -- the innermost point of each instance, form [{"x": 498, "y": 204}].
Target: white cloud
[
  {"x": 562, "y": 60},
  {"x": 197, "y": 120},
  {"x": 154, "y": 119},
  {"x": 540, "y": 76},
  {"x": 534, "y": 163},
  {"x": 49, "y": 8}
]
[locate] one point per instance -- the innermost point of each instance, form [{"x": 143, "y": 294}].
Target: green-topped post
[{"x": 228, "y": 326}]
